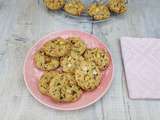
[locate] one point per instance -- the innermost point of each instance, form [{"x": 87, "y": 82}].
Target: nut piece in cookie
[
  {"x": 87, "y": 76},
  {"x": 98, "y": 56},
  {"x": 70, "y": 63},
  {"x": 74, "y": 7},
  {"x": 64, "y": 89},
  {"x": 44, "y": 62},
  {"x": 98, "y": 11},
  {"x": 117, "y": 6},
  {"x": 54, "y": 4},
  {"x": 77, "y": 45},
  {"x": 57, "y": 47},
  {"x": 43, "y": 84}
]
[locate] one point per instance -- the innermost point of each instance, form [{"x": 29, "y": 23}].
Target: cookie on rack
[
  {"x": 54, "y": 4},
  {"x": 87, "y": 76},
  {"x": 43, "y": 84},
  {"x": 74, "y": 7},
  {"x": 99, "y": 57},
  {"x": 44, "y": 62},
  {"x": 117, "y": 6},
  {"x": 64, "y": 89},
  {"x": 98, "y": 11},
  {"x": 71, "y": 62},
  {"x": 77, "y": 45},
  {"x": 57, "y": 47}
]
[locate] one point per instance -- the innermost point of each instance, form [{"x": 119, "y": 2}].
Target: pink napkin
[{"x": 141, "y": 58}]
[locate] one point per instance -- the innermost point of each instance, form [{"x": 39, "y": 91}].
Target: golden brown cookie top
[
  {"x": 54, "y": 4},
  {"x": 77, "y": 45},
  {"x": 70, "y": 63},
  {"x": 98, "y": 56},
  {"x": 57, "y": 47},
  {"x": 44, "y": 81},
  {"x": 87, "y": 76},
  {"x": 98, "y": 11},
  {"x": 117, "y": 6},
  {"x": 45, "y": 62},
  {"x": 65, "y": 88},
  {"x": 74, "y": 7}
]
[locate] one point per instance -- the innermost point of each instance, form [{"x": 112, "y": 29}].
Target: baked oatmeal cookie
[
  {"x": 43, "y": 84},
  {"x": 57, "y": 47},
  {"x": 98, "y": 56},
  {"x": 71, "y": 62},
  {"x": 44, "y": 62},
  {"x": 117, "y": 6},
  {"x": 98, "y": 11},
  {"x": 77, "y": 45},
  {"x": 54, "y": 4},
  {"x": 74, "y": 7},
  {"x": 64, "y": 89},
  {"x": 87, "y": 76}
]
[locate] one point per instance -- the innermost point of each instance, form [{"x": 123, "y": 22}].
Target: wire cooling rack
[{"x": 84, "y": 15}]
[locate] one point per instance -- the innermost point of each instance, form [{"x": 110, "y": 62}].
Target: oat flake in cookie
[
  {"x": 44, "y": 62},
  {"x": 87, "y": 76}
]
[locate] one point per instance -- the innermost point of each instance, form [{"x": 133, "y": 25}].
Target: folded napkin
[{"x": 141, "y": 58}]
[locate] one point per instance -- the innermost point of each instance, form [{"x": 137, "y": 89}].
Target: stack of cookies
[
  {"x": 70, "y": 68},
  {"x": 96, "y": 10}
]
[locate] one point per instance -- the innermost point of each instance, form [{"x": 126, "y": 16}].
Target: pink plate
[{"x": 32, "y": 74}]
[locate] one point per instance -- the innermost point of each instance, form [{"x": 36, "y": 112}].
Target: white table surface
[{"x": 23, "y": 22}]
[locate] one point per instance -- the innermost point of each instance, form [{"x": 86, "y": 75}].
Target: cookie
[
  {"x": 98, "y": 11},
  {"x": 98, "y": 56},
  {"x": 54, "y": 4},
  {"x": 64, "y": 89},
  {"x": 43, "y": 84},
  {"x": 44, "y": 62},
  {"x": 87, "y": 76},
  {"x": 117, "y": 6},
  {"x": 77, "y": 45},
  {"x": 71, "y": 62},
  {"x": 74, "y": 7},
  {"x": 57, "y": 47}
]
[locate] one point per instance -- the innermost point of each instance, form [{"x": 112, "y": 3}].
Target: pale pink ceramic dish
[{"x": 32, "y": 74}]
